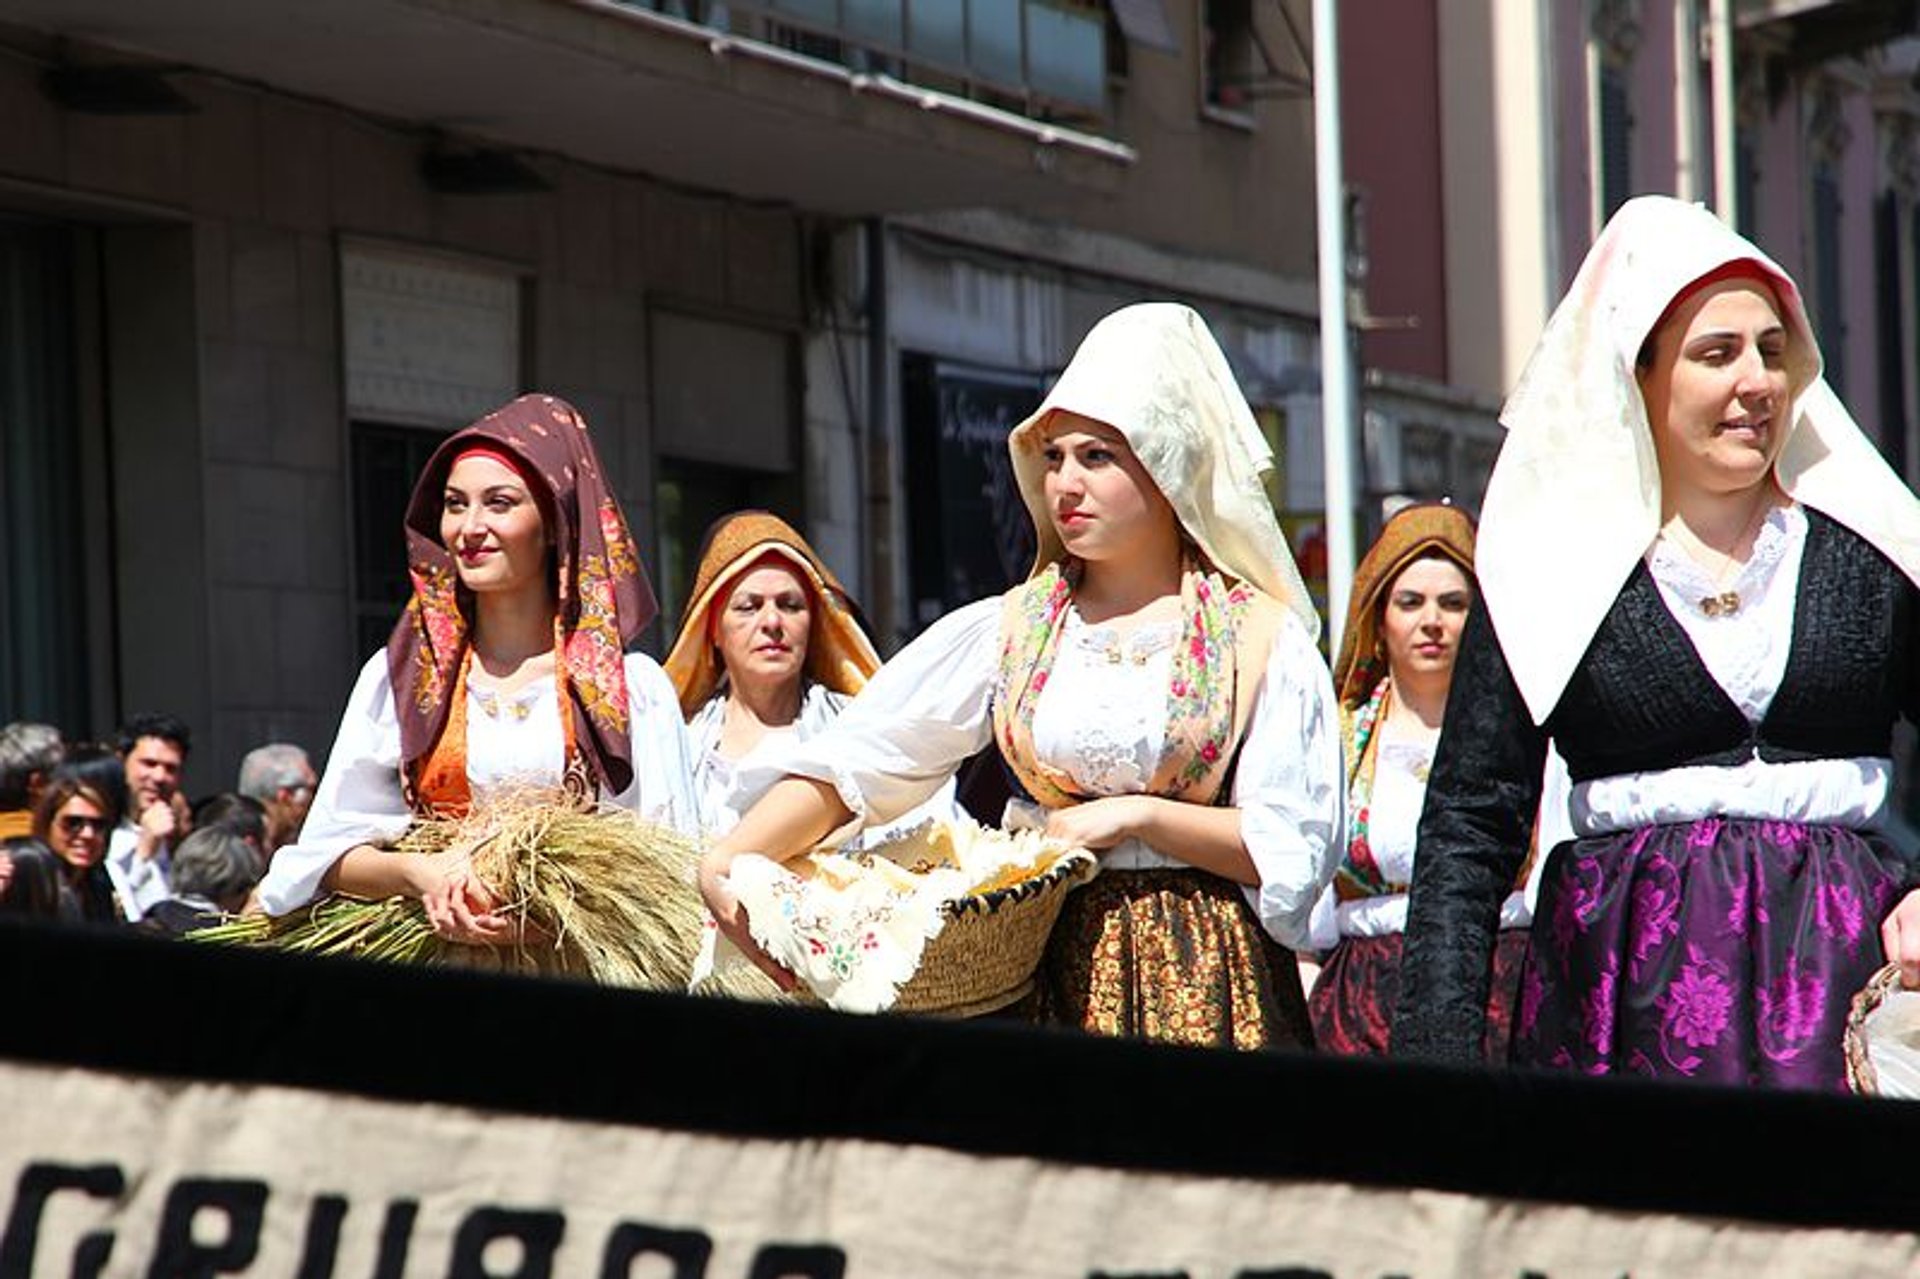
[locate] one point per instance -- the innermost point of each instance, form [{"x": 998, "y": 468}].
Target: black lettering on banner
[
  {"x": 322, "y": 1247},
  {"x": 39, "y": 1183},
  {"x": 323, "y": 1237},
  {"x": 798, "y": 1261},
  {"x": 396, "y": 1234},
  {"x": 177, "y": 1255},
  {"x": 1138, "y": 1274},
  {"x": 1287, "y": 1272},
  {"x": 687, "y": 1249},
  {"x": 539, "y": 1234}
]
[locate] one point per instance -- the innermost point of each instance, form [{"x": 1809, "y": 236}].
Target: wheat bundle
[{"x": 598, "y": 893}]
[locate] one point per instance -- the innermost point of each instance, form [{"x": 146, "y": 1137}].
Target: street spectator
[
  {"x": 242, "y": 814},
  {"x": 214, "y": 869},
  {"x": 30, "y": 884},
  {"x": 153, "y": 749},
  {"x": 28, "y": 755},
  {"x": 281, "y": 777},
  {"x": 73, "y": 819}
]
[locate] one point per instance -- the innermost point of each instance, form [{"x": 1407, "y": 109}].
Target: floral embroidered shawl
[
  {"x": 1359, "y": 875},
  {"x": 1227, "y": 628},
  {"x": 1417, "y": 532},
  {"x": 603, "y": 602}
]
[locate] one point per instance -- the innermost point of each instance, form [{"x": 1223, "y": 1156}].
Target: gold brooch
[{"x": 1725, "y": 604}]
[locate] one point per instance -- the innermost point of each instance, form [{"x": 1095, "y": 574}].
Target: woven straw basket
[
  {"x": 1861, "y": 1077},
  {"x": 1882, "y": 1041},
  {"x": 985, "y": 957}
]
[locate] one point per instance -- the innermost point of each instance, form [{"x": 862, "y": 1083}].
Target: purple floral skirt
[{"x": 1724, "y": 950}]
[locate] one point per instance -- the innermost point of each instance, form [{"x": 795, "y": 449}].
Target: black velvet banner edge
[{"x": 127, "y": 1004}]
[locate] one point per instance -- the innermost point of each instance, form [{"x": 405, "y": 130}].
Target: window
[
  {"x": 45, "y": 640},
  {"x": 688, "y": 498},
  {"x": 1889, "y": 325},
  {"x": 1829, "y": 324},
  {"x": 1228, "y": 49},
  {"x": 1746, "y": 183},
  {"x": 1615, "y": 160},
  {"x": 385, "y": 461},
  {"x": 969, "y": 534}
]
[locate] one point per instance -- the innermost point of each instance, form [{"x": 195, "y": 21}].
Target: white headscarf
[
  {"x": 1154, "y": 373},
  {"x": 1574, "y": 500}
]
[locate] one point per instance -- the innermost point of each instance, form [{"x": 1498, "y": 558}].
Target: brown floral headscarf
[
  {"x": 603, "y": 599},
  {"x": 839, "y": 654},
  {"x": 1414, "y": 533}
]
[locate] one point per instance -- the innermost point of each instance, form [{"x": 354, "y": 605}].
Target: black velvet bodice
[{"x": 1640, "y": 701}]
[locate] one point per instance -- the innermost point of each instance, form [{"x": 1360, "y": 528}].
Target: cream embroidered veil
[
  {"x": 1154, "y": 373},
  {"x": 1574, "y": 499}
]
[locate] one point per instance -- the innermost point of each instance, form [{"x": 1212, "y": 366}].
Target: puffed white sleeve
[
  {"x": 662, "y": 789},
  {"x": 900, "y": 740},
  {"x": 359, "y": 800},
  {"x": 1288, "y": 788}
]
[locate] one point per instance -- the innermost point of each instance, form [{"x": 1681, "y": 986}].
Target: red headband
[
  {"x": 1738, "y": 269},
  {"x": 529, "y": 476},
  {"x": 769, "y": 558},
  {"x": 493, "y": 453}
]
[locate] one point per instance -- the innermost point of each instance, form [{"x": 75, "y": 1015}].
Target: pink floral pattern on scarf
[
  {"x": 1200, "y": 689},
  {"x": 602, "y": 598}
]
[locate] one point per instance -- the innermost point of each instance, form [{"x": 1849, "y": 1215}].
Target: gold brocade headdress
[
  {"x": 1154, "y": 373},
  {"x": 1417, "y": 532},
  {"x": 839, "y": 654}
]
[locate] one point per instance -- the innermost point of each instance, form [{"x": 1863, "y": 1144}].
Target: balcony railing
[{"x": 1045, "y": 57}]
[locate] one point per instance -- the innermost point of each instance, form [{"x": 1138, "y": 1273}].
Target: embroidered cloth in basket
[{"x": 859, "y": 928}]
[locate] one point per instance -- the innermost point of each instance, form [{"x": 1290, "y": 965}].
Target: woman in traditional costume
[
  {"x": 769, "y": 644},
  {"x": 1154, "y": 687},
  {"x": 1411, "y": 596},
  {"x": 1698, "y": 580},
  {"x": 508, "y": 670}
]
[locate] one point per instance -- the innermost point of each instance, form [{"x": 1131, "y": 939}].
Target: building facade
[
  {"x": 1487, "y": 142},
  {"x": 257, "y": 260}
]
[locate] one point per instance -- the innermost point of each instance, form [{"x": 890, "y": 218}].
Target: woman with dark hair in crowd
[
  {"x": 73, "y": 820},
  {"x": 509, "y": 669},
  {"x": 29, "y": 879},
  {"x": 1154, "y": 686},
  {"x": 1698, "y": 581}
]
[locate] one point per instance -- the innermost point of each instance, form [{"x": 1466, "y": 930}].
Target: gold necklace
[{"x": 1723, "y": 603}]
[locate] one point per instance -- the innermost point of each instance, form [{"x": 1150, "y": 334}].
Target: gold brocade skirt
[{"x": 1175, "y": 956}]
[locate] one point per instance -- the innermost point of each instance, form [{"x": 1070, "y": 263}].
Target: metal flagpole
[{"x": 1336, "y": 366}]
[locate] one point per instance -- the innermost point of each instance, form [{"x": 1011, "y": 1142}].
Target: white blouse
[
  {"x": 715, "y": 776},
  {"x": 1393, "y": 826},
  {"x": 1746, "y": 652},
  {"x": 512, "y": 740},
  {"x": 1102, "y": 720}
]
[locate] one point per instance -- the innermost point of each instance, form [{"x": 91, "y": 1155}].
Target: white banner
[{"x": 115, "y": 1176}]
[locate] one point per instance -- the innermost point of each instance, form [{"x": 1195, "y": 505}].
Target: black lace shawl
[{"x": 1641, "y": 700}]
